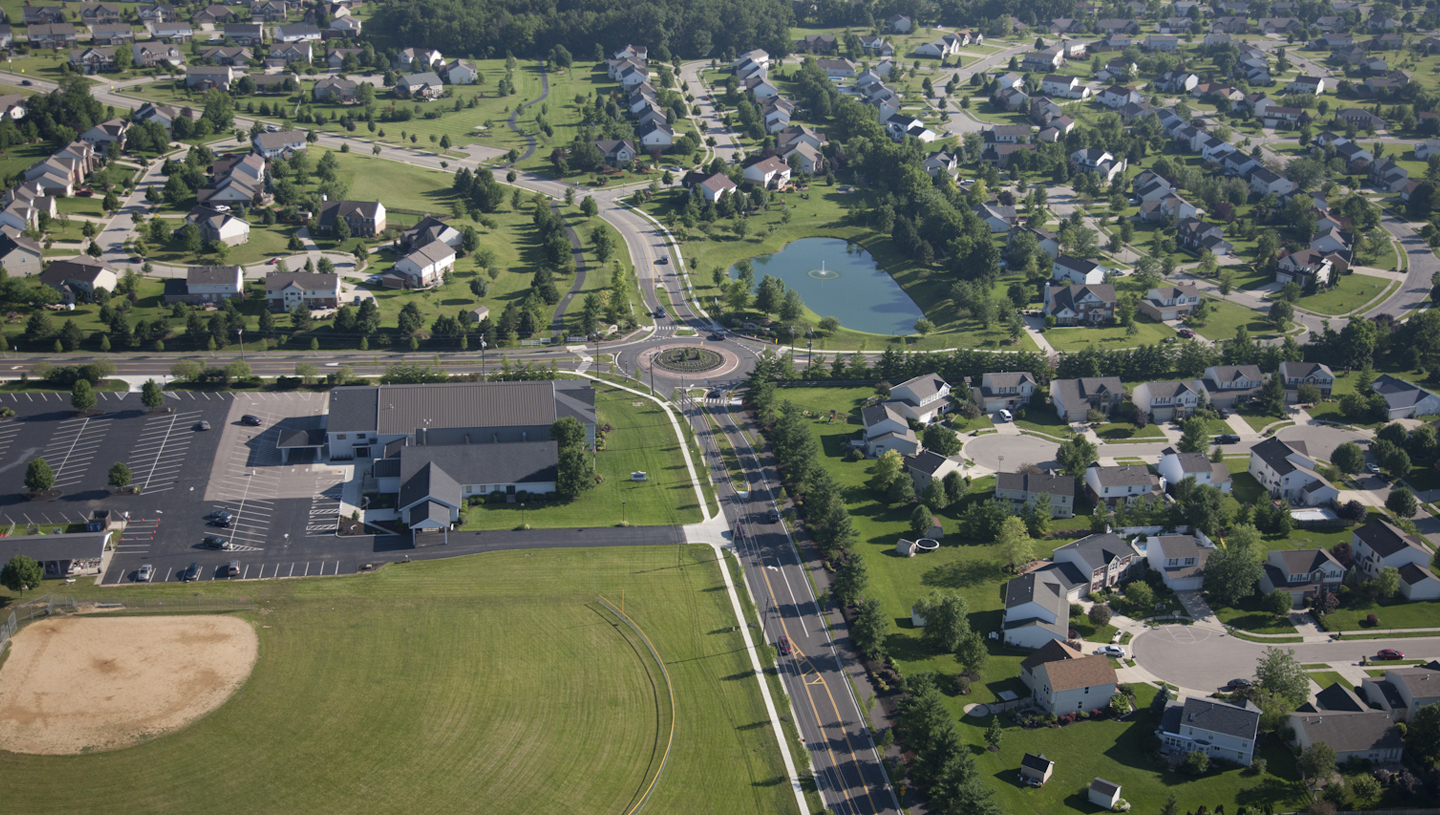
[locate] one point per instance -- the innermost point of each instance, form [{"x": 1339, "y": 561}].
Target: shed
[
  {"x": 905, "y": 548},
  {"x": 915, "y": 619},
  {"x": 1104, "y": 794},
  {"x": 1035, "y": 770},
  {"x": 480, "y": 313}
]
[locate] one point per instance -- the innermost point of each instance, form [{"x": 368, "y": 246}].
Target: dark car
[
  {"x": 663, "y": 260},
  {"x": 659, "y": 313},
  {"x": 220, "y": 517},
  {"x": 1228, "y": 438},
  {"x": 233, "y": 568},
  {"x": 202, "y": 425},
  {"x": 1389, "y": 653},
  {"x": 716, "y": 337},
  {"x": 250, "y": 419},
  {"x": 784, "y": 645},
  {"x": 1236, "y": 684},
  {"x": 192, "y": 572},
  {"x": 27, "y": 83},
  {"x": 715, "y": 394},
  {"x": 1186, "y": 333},
  {"x": 214, "y": 542},
  {"x": 774, "y": 516}
]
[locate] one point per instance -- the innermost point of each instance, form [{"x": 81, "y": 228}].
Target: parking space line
[{"x": 292, "y": 568}]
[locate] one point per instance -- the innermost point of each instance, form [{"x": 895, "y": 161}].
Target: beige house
[
  {"x": 1019, "y": 489},
  {"x": 1063, "y": 681}
]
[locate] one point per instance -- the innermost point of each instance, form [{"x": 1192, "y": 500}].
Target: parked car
[
  {"x": 1237, "y": 684},
  {"x": 192, "y": 572},
  {"x": 145, "y": 573},
  {"x": 1372, "y": 468},
  {"x": 220, "y": 517},
  {"x": 1110, "y": 651},
  {"x": 714, "y": 394},
  {"x": 250, "y": 419},
  {"x": 1389, "y": 653},
  {"x": 214, "y": 542},
  {"x": 784, "y": 645},
  {"x": 1186, "y": 333},
  {"x": 774, "y": 516},
  {"x": 202, "y": 425},
  {"x": 1227, "y": 438},
  {"x": 233, "y": 568},
  {"x": 1006, "y": 416}
]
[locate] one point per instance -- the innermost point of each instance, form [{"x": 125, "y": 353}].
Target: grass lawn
[
  {"x": 1226, "y": 318},
  {"x": 1249, "y": 616},
  {"x": 1122, "y": 431},
  {"x": 1078, "y": 338},
  {"x": 1044, "y": 420},
  {"x": 1122, "y": 750},
  {"x": 1243, "y": 485},
  {"x": 1327, "y": 678},
  {"x": 1353, "y": 292},
  {"x": 642, "y": 440},
  {"x": 1422, "y": 614},
  {"x": 91, "y": 206},
  {"x": 563, "y": 718},
  {"x": 1258, "y": 422}
]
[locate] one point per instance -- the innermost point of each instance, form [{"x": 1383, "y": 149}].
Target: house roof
[
  {"x": 1301, "y": 370},
  {"x": 1081, "y": 265},
  {"x": 1240, "y": 722},
  {"x": 503, "y": 463},
  {"x": 1352, "y": 732},
  {"x": 1422, "y": 681},
  {"x": 1074, "y": 391},
  {"x": 875, "y": 414},
  {"x": 77, "y": 268},
  {"x": 1410, "y": 574},
  {"x": 1052, "y": 651},
  {"x": 431, "y": 254},
  {"x": 1038, "y": 763},
  {"x": 1275, "y": 453},
  {"x": 1008, "y": 379},
  {"x": 926, "y": 461},
  {"x": 310, "y": 281},
  {"x": 1337, "y": 698},
  {"x": 401, "y": 409},
  {"x": 1066, "y": 296},
  {"x": 1301, "y": 561},
  {"x": 1385, "y": 539},
  {"x": 1098, "y": 550},
  {"x": 1397, "y": 392},
  {"x": 275, "y": 141},
  {"x": 1084, "y": 672},
  {"x": 212, "y": 275},
  {"x": 422, "y": 79},
  {"x": 1057, "y": 485},
  {"x": 1104, "y": 787}
]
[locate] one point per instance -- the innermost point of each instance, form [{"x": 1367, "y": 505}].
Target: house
[
  {"x": 228, "y": 55},
  {"x": 99, "y": 13},
  {"x": 336, "y": 57},
  {"x": 617, "y": 152},
  {"x": 1286, "y": 470},
  {"x": 153, "y": 53},
  {"x": 657, "y": 134},
  {"x": 18, "y": 254},
  {"x": 1063, "y": 681},
  {"x": 1301, "y": 573},
  {"x": 1048, "y": 242},
  {"x": 1118, "y": 26},
  {"x": 1365, "y": 735},
  {"x": 40, "y": 15},
  {"x": 1218, "y": 729},
  {"x": 1114, "y": 485},
  {"x": 998, "y": 218},
  {"x": 899, "y": 24},
  {"x": 1175, "y": 467},
  {"x": 1010, "y": 99},
  {"x": 174, "y": 31},
  {"x": 1228, "y": 385},
  {"x": 284, "y": 292},
  {"x": 423, "y": 59},
  {"x": 458, "y": 72},
  {"x": 347, "y": 26},
  {"x": 366, "y": 219},
  {"x": 817, "y": 44},
  {"x": 211, "y": 16},
  {"x": 1307, "y": 267},
  {"x": 219, "y": 227},
  {"x": 1169, "y": 302},
  {"x": 1307, "y": 85},
  {"x": 1098, "y": 161},
  {"x": 1379, "y": 545},
  {"x": 1103, "y": 560},
  {"x": 1265, "y": 182},
  {"x": 51, "y": 35},
  {"x": 1388, "y": 176},
  {"x": 206, "y": 284},
  {"x": 1404, "y": 399},
  {"x": 1037, "y": 609},
  {"x": 336, "y": 90},
  {"x": 713, "y": 187},
  {"x": 1003, "y": 390},
  {"x": 876, "y": 46},
  {"x": 1161, "y": 43},
  {"x": 1068, "y": 87},
  {"x": 107, "y": 135},
  {"x": 273, "y": 145},
  {"x": 1073, "y": 399},
  {"x": 837, "y": 68},
  {"x": 1118, "y": 96},
  {"x": 942, "y": 162},
  {"x": 1180, "y": 559},
  {"x": 768, "y": 173},
  {"x": 245, "y": 33},
  {"x": 111, "y": 33},
  {"x": 424, "y": 85},
  {"x": 1104, "y": 794},
  {"x": 1035, "y": 770},
  {"x": 93, "y": 60},
  {"x": 1046, "y": 59},
  {"x": 294, "y": 51},
  {"x": 1006, "y": 134},
  {"x": 923, "y": 398},
  {"x": 1418, "y": 582},
  {"x": 78, "y": 278},
  {"x": 1043, "y": 110},
  {"x": 1026, "y": 489},
  {"x": 1079, "y": 271},
  {"x": 927, "y": 466},
  {"x": 1167, "y": 401},
  {"x": 429, "y": 230},
  {"x": 1363, "y": 119},
  {"x": 205, "y": 77},
  {"x": 1170, "y": 206},
  {"x": 886, "y": 429},
  {"x": 297, "y": 32},
  {"x": 1080, "y": 305},
  {"x": 425, "y": 266},
  {"x": 1403, "y": 691},
  {"x": 1296, "y": 374},
  {"x": 270, "y": 11}
]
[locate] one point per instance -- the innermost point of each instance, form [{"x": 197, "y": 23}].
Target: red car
[
  {"x": 1186, "y": 333},
  {"x": 1390, "y": 653},
  {"x": 85, "y": 193},
  {"x": 272, "y": 261},
  {"x": 784, "y": 645}
]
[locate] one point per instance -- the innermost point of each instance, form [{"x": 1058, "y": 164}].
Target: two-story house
[
  {"x": 1226, "y": 385},
  {"x": 1404, "y": 399},
  {"x": 1286, "y": 470},
  {"x": 1073, "y": 399},
  {"x": 1077, "y": 271},
  {"x": 886, "y": 429},
  {"x": 1026, "y": 489},
  {"x": 284, "y": 292},
  {"x": 1295, "y": 374},
  {"x": 1379, "y": 545},
  {"x": 1080, "y": 305},
  {"x": 1116, "y": 484},
  {"x": 1218, "y": 729},
  {"x": 1165, "y": 401},
  {"x": 1354, "y": 734},
  {"x": 926, "y": 467},
  {"x": 1063, "y": 681},
  {"x": 1307, "y": 267},
  {"x": 1003, "y": 390},
  {"x": 1301, "y": 573},
  {"x": 1402, "y": 691},
  {"x": 1175, "y": 467},
  {"x": 922, "y": 398},
  {"x": 1169, "y": 302},
  {"x": 1103, "y": 560},
  {"x": 1037, "y": 609},
  {"x": 365, "y": 219},
  {"x": 1179, "y": 559},
  {"x": 206, "y": 284}
]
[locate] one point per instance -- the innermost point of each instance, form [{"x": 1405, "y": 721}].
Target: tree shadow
[{"x": 963, "y": 574}]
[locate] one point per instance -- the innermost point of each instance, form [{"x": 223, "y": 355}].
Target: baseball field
[{"x": 488, "y": 683}]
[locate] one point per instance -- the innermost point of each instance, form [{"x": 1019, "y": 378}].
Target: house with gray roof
[
  {"x": 1301, "y": 573},
  {"x": 1180, "y": 559},
  {"x": 886, "y": 429},
  {"x": 1104, "y": 559},
  {"x": 1037, "y": 610},
  {"x": 1402, "y": 691},
  {"x": 1295, "y": 374},
  {"x": 1116, "y": 484},
  {"x": 1175, "y": 467},
  {"x": 1027, "y": 489},
  {"x": 273, "y": 145},
  {"x": 1218, "y": 729},
  {"x": 317, "y": 290},
  {"x": 1341, "y": 720},
  {"x": 1165, "y": 401},
  {"x": 1405, "y": 400},
  {"x": 424, "y": 85},
  {"x": 1073, "y": 399},
  {"x": 1380, "y": 545},
  {"x": 1003, "y": 390},
  {"x": 922, "y": 398}
]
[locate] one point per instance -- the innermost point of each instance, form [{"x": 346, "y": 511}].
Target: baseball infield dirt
[{"x": 78, "y": 684}]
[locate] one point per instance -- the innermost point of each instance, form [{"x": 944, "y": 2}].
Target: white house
[
  {"x": 769, "y": 172},
  {"x": 1037, "y": 610},
  {"x": 1286, "y": 470},
  {"x": 886, "y": 429},
  {"x": 1218, "y": 729},
  {"x": 1309, "y": 85},
  {"x": 1073, "y": 399},
  {"x": 427, "y": 265},
  {"x": 1180, "y": 559},
  {"x": 1062, "y": 680},
  {"x": 1026, "y": 489},
  {"x": 1175, "y": 467},
  {"x": 1404, "y": 399},
  {"x": 1168, "y": 400},
  {"x": 923, "y": 398},
  {"x": 927, "y": 466},
  {"x": 1379, "y": 545},
  {"x": 1114, "y": 485},
  {"x": 1079, "y": 271},
  {"x": 1403, "y": 691},
  {"x": 1003, "y": 390}
]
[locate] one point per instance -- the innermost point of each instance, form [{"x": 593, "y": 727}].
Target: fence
[
  {"x": 171, "y": 605},
  {"x": 6, "y": 632},
  {"x": 669, "y": 690}
]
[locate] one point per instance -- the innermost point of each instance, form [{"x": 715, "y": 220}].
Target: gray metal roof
[
  {"x": 1352, "y": 732},
  {"x": 437, "y": 471},
  {"x": 83, "y": 546},
  {"x": 401, "y": 409},
  {"x": 1058, "y": 485}
]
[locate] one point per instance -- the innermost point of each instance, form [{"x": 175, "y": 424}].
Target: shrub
[
  {"x": 962, "y": 685},
  {"x": 1258, "y": 766},
  {"x": 1121, "y": 805},
  {"x": 1197, "y": 762},
  {"x": 1076, "y": 610},
  {"x": 1371, "y": 621}
]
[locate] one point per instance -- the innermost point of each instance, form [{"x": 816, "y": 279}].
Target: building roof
[
  {"x": 926, "y": 461},
  {"x": 924, "y": 385},
  {"x": 1098, "y": 550},
  {"x": 275, "y": 141},
  {"x": 1057, "y": 485},
  {"x": 1052, "y": 651},
  {"x": 504, "y": 463},
  {"x": 1385, "y": 539},
  {"x": 1337, "y": 698},
  {"x": 1240, "y": 722},
  {"x": 1275, "y": 453},
  {"x": 1302, "y": 561},
  {"x": 310, "y": 281},
  {"x": 85, "y": 546},
  {"x": 76, "y": 268},
  {"x": 212, "y": 275},
  {"x": 875, "y": 414},
  {"x": 1410, "y": 574},
  {"x": 1301, "y": 370},
  {"x": 1038, "y": 763},
  {"x": 1074, "y": 391},
  {"x": 1352, "y": 732},
  {"x": 331, "y": 210},
  {"x": 1422, "y": 681},
  {"x": 401, "y": 409},
  {"x": 1126, "y": 476},
  {"x": 1084, "y": 672},
  {"x": 1104, "y": 787}
]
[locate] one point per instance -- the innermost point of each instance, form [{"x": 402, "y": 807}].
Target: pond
[{"x": 840, "y": 279}]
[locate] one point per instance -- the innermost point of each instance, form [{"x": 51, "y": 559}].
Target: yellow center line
[{"x": 840, "y": 720}]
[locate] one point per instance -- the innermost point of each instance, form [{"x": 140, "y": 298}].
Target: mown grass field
[
  {"x": 438, "y": 686},
  {"x": 642, "y": 440}
]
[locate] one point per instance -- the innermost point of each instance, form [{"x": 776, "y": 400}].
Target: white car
[
  {"x": 146, "y": 572},
  {"x": 1006, "y": 416},
  {"x": 1110, "y": 651},
  {"x": 1372, "y": 468}
]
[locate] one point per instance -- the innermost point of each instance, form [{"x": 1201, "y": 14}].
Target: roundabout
[{"x": 688, "y": 361}]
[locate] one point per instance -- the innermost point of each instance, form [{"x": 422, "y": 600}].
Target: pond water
[{"x": 840, "y": 279}]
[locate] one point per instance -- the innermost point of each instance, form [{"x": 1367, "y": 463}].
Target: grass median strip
[{"x": 727, "y": 455}]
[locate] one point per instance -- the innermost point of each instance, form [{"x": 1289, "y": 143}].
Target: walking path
[{"x": 514, "y": 114}]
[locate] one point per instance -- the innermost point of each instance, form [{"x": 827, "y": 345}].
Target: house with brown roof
[
  {"x": 1301, "y": 573},
  {"x": 1063, "y": 681}
]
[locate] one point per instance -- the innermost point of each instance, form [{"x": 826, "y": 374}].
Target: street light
[
  {"x": 482, "y": 359},
  {"x": 522, "y": 516},
  {"x": 622, "y": 513},
  {"x": 242, "y": 344}
]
